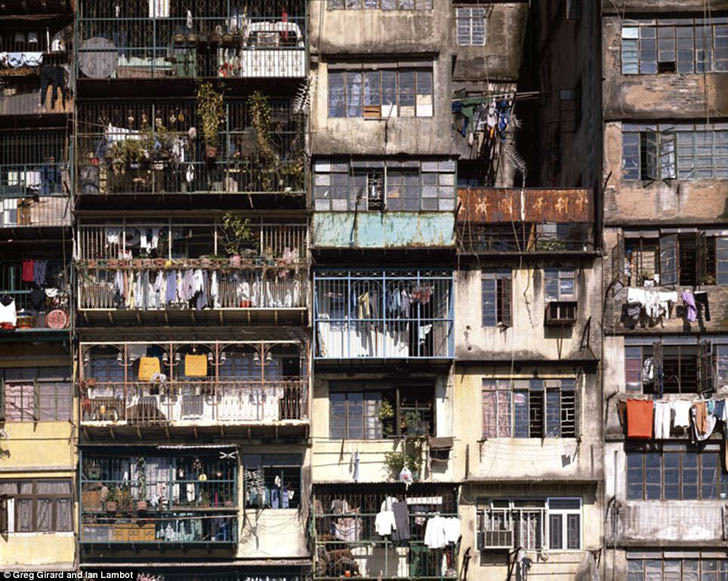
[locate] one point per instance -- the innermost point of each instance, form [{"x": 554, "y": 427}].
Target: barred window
[
  {"x": 676, "y": 46},
  {"x": 684, "y": 151},
  {"x": 272, "y": 480},
  {"x": 470, "y": 25},
  {"x": 496, "y": 294},
  {"x": 529, "y": 408},
  {"x": 658, "y": 368},
  {"x": 675, "y": 473},
  {"x": 381, "y": 93},
  {"x": 29, "y": 506}
]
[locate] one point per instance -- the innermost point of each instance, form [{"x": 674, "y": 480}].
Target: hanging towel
[
  {"x": 689, "y": 302},
  {"x": 39, "y": 272},
  {"x": 28, "y": 270},
  {"x": 663, "y": 414},
  {"x": 639, "y": 418},
  {"x": 195, "y": 365},
  {"x": 148, "y": 366},
  {"x": 681, "y": 417}
]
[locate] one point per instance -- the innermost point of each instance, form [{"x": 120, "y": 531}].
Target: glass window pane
[
  {"x": 337, "y": 91},
  {"x": 556, "y": 532},
  {"x": 573, "y": 531}
]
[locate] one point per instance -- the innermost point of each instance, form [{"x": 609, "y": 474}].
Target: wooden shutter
[
  {"x": 505, "y": 298},
  {"x": 705, "y": 368},
  {"x": 701, "y": 258},
  {"x": 4, "y": 516},
  {"x": 619, "y": 274},
  {"x": 668, "y": 259}
]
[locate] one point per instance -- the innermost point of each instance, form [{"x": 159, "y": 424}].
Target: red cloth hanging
[
  {"x": 639, "y": 418},
  {"x": 28, "y": 266}
]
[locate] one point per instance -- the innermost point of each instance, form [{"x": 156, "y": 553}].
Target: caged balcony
[
  {"x": 532, "y": 221},
  {"x": 383, "y": 314},
  {"x": 138, "y": 39},
  {"x": 194, "y": 387},
  {"x": 141, "y": 148},
  {"x": 347, "y": 539},
  {"x": 186, "y": 271},
  {"x": 34, "y": 180},
  {"x": 154, "y": 498}
]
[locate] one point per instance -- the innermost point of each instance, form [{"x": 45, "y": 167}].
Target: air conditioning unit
[
  {"x": 495, "y": 540},
  {"x": 560, "y": 313}
]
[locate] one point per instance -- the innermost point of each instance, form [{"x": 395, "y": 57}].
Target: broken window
[
  {"x": 676, "y": 46},
  {"x": 470, "y": 25},
  {"x": 496, "y": 297},
  {"x": 529, "y": 408},
  {"x": 381, "y": 93}
]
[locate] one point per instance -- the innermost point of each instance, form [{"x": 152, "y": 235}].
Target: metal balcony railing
[
  {"x": 383, "y": 314},
  {"x": 215, "y": 38},
  {"x": 520, "y": 237},
  {"x": 198, "y": 402},
  {"x": 180, "y": 527},
  {"x": 119, "y": 152}
]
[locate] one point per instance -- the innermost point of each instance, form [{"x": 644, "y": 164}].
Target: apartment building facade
[
  {"x": 38, "y": 420},
  {"x": 664, "y": 229}
]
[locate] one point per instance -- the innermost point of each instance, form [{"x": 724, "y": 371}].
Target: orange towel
[
  {"x": 195, "y": 365},
  {"x": 639, "y": 418},
  {"x": 148, "y": 366}
]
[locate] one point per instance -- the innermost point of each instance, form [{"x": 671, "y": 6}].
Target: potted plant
[
  {"x": 141, "y": 466},
  {"x": 93, "y": 470},
  {"x": 260, "y": 114},
  {"x": 112, "y": 500},
  {"x": 236, "y": 235},
  {"x": 125, "y": 500},
  {"x": 386, "y": 416},
  {"x": 211, "y": 112}
]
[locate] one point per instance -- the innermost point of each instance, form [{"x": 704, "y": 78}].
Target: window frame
[
  {"x": 517, "y": 512},
  {"x": 501, "y": 305},
  {"x": 405, "y": 100},
  {"x": 560, "y": 274},
  {"x": 535, "y": 417},
  {"x": 471, "y": 18},
  {"x": 12, "y": 502},
  {"x": 652, "y": 481},
  {"x": 367, "y": 5},
  {"x": 272, "y": 463},
  {"x": 659, "y": 39},
  {"x": 637, "y": 566},
  {"x": 34, "y": 402},
  {"x": 392, "y": 393},
  {"x": 682, "y": 151}
]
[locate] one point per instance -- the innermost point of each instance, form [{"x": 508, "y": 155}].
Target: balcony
[
  {"x": 529, "y": 221},
  {"x": 348, "y": 545},
  {"x": 390, "y": 314},
  {"x": 180, "y": 500},
  {"x": 133, "y": 41},
  {"x": 34, "y": 182},
  {"x": 193, "y": 272},
  {"x": 119, "y": 152},
  {"x": 200, "y": 388},
  {"x": 33, "y": 53}
]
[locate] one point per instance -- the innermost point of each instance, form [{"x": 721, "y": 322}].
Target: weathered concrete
[{"x": 383, "y": 230}]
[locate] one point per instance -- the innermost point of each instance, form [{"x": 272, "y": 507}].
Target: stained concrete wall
[
  {"x": 527, "y": 338},
  {"x": 659, "y": 6},
  {"x": 419, "y": 35},
  {"x": 658, "y": 96},
  {"x": 677, "y": 202}
]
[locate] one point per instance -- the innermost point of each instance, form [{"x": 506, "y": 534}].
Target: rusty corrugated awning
[{"x": 493, "y": 205}]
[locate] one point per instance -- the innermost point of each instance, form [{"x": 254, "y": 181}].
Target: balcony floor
[{"x": 205, "y": 317}]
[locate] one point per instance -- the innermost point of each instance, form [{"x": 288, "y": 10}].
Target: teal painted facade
[{"x": 383, "y": 229}]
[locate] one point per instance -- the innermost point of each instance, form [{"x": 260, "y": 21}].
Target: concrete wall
[
  {"x": 527, "y": 338},
  {"x": 38, "y": 551},
  {"x": 272, "y": 534},
  {"x": 525, "y": 458},
  {"x": 331, "y": 460},
  {"x": 660, "y": 6}
]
